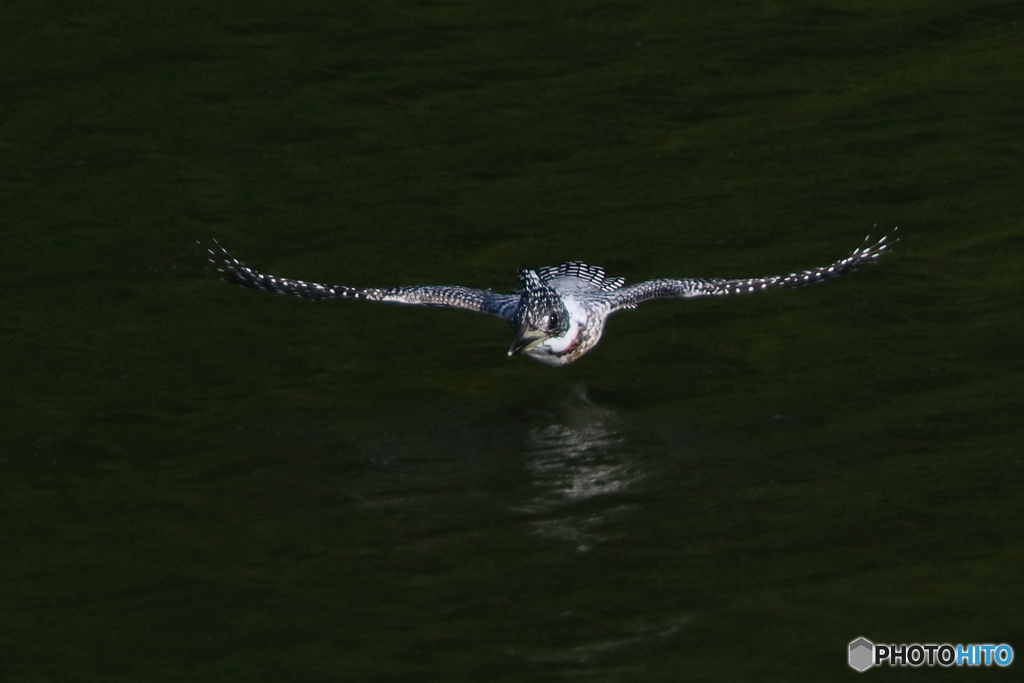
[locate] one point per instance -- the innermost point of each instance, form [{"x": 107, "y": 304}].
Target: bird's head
[{"x": 545, "y": 328}]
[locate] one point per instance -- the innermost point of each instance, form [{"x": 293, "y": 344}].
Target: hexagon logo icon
[{"x": 862, "y": 654}]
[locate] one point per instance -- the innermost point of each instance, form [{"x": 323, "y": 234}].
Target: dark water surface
[{"x": 199, "y": 482}]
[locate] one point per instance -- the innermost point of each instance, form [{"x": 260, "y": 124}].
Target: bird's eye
[{"x": 552, "y": 320}]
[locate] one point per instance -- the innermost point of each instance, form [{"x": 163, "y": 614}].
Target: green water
[{"x": 199, "y": 482}]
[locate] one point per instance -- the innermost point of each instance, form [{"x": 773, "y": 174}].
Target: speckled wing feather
[
  {"x": 479, "y": 300},
  {"x": 629, "y": 297}
]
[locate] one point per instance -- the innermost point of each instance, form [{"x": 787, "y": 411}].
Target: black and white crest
[
  {"x": 578, "y": 269},
  {"x": 538, "y": 302}
]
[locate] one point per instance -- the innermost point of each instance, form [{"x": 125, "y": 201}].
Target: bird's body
[{"x": 559, "y": 312}]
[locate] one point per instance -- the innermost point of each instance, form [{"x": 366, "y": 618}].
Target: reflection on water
[{"x": 578, "y": 470}]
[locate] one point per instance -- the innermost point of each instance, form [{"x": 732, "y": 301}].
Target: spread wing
[
  {"x": 479, "y": 300},
  {"x": 629, "y": 297}
]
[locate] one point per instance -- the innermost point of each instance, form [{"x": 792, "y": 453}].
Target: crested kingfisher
[{"x": 559, "y": 312}]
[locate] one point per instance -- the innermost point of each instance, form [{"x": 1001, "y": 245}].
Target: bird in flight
[{"x": 558, "y": 312}]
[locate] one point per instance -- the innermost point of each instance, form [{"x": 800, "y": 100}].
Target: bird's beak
[{"x": 527, "y": 339}]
